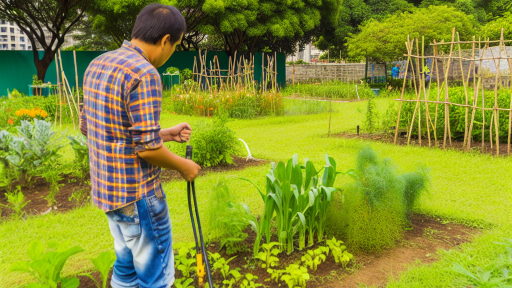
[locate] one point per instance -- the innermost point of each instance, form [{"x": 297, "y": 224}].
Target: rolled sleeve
[
  {"x": 143, "y": 107},
  {"x": 83, "y": 122}
]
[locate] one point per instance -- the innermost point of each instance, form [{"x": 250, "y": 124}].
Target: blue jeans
[{"x": 143, "y": 244}]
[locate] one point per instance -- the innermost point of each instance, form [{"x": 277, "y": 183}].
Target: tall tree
[
  {"x": 46, "y": 22},
  {"x": 384, "y": 40}
]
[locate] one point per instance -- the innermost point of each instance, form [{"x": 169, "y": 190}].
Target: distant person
[
  {"x": 426, "y": 71},
  {"x": 121, "y": 119},
  {"x": 395, "y": 71}
]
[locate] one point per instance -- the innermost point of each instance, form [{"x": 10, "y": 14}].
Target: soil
[
  {"x": 419, "y": 244},
  {"x": 40, "y": 189},
  {"x": 455, "y": 145}
]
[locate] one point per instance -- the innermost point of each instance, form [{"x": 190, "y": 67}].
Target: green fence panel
[{"x": 17, "y": 67}]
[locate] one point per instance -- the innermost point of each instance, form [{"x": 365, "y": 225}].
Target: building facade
[{"x": 12, "y": 38}]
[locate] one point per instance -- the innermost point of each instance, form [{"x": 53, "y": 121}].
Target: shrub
[
  {"x": 376, "y": 204},
  {"x": 228, "y": 220},
  {"x": 172, "y": 70},
  {"x": 214, "y": 143}
]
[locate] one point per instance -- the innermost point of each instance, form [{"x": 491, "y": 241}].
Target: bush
[
  {"x": 228, "y": 220},
  {"x": 214, "y": 143},
  {"x": 375, "y": 208}
]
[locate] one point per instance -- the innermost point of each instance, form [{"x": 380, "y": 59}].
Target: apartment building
[{"x": 12, "y": 38}]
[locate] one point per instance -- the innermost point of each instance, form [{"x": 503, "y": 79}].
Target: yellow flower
[
  {"x": 44, "y": 114},
  {"x": 32, "y": 113},
  {"x": 18, "y": 113}
]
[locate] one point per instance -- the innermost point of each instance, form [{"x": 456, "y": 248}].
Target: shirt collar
[{"x": 128, "y": 45}]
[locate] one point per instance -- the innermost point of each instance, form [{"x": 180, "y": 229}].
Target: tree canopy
[{"x": 385, "y": 40}]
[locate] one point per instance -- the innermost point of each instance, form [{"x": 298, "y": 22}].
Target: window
[
  {"x": 22, "y": 46},
  {"x": 12, "y": 30},
  {"x": 3, "y": 29},
  {"x": 12, "y": 23},
  {"x": 22, "y": 39},
  {"x": 5, "y": 46},
  {"x": 3, "y": 38},
  {"x": 13, "y": 46},
  {"x": 2, "y": 22},
  {"x": 13, "y": 38},
  {"x": 21, "y": 32},
  {"x": 29, "y": 47}
]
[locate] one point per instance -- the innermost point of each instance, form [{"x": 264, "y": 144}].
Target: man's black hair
[{"x": 157, "y": 20}]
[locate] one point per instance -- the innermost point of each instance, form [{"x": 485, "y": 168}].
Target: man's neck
[{"x": 147, "y": 48}]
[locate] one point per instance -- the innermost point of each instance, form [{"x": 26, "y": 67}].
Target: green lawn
[{"x": 469, "y": 188}]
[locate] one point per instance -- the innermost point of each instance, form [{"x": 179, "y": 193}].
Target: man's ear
[{"x": 165, "y": 39}]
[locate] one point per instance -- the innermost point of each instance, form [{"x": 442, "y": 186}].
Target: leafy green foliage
[
  {"x": 214, "y": 143},
  {"x": 227, "y": 219},
  {"x": 184, "y": 263},
  {"x": 17, "y": 202},
  {"x": 295, "y": 276},
  {"x": 36, "y": 81},
  {"x": 268, "y": 256},
  {"x": 248, "y": 281},
  {"x": 313, "y": 258},
  {"x": 52, "y": 175},
  {"x": 338, "y": 251},
  {"x": 172, "y": 70},
  {"x": 384, "y": 40},
  {"x": 299, "y": 202},
  {"x": 183, "y": 283},
  {"x": 186, "y": 74},
  {"x": 103, "y": 263},
  {"x": 231, "y": 277},
  {"x": 46, "y": 266},
  {"x": 375, "y": 208},
  {"x": 331, "y": 89},
  {"x": 371, "y": 117},
  {"x": 81, "y": 164}
]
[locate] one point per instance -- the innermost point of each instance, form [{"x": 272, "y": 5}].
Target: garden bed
[
  {"x": 419, "y": 244},
  {"x": 40, "y": 189},
  {"x": 402, "y": 141}
]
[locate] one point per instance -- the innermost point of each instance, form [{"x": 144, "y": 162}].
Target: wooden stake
[
  {"x": 465, "y": 93},
  {"x": 447, "y": 109},
  {"x": 436, "y": 51},
  {"x": 58, "y": 87},
  {"x": 476, "y": 88},
  {"x": 76, "y": 78},
  {"x": 408, "y": 45}
]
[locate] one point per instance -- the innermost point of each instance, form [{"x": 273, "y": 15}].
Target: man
[
  {"x": 120, "y": 117},
  {"x": 395, "y": 71}
]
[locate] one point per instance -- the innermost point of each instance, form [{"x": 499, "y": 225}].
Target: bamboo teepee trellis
[{"x": 440, "y": 71}]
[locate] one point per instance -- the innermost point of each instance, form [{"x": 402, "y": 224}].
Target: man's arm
[
  {"x": 83, "y": 122},
  {"x": 144, "y": 112}
]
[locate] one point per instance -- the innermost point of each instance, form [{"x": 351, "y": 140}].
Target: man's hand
[
  {"x": 179, "y": 133},
  {"x": 190, "y": 170}
]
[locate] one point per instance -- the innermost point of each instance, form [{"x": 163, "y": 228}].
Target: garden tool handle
[{"x": 188, "y": 154}]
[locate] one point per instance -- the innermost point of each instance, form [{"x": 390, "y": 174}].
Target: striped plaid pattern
[{"x": 120, "y": 117}]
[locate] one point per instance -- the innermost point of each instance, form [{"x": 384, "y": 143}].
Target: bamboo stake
[
  {"x": 438, "y": 89},
  {"x": 409, "y": 52},
  {"x": 65, "y": 82},
  {"x": 424, "y": 90},
  {"x": 475, "y": 93},
  {"x": 58, "y": 88},
  {"x": 510, "y": 112},
  {"x": 483, "y": 111},
  {"x": 447, "y": 109},
  {"x": 416, "y": 107},
  {"x": 490, "y": 130},
  {"x": 465, "y": 94},
  {"x": 76, "y": 78},
  {"x": 495, "y": 112}
]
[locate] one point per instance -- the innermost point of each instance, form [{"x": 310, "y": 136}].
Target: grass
[{"x": 468, "y": 188}]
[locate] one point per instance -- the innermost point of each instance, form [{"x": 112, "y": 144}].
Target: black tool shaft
[{"x": 206, "y": 261}]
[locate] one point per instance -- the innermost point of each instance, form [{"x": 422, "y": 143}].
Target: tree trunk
[{"x": 43, "y": 64}]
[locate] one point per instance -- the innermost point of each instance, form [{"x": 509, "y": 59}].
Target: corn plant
[
  {"x": 313, "y": 258},
  {"x": 338, "y": 251},
  {"x": 46, "y": 267},
  {"x": 298, "y": 202},
  {"x": 268, "y": 256}
]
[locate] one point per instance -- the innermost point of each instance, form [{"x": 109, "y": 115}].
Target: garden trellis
[{"x": 476, "y": 80}]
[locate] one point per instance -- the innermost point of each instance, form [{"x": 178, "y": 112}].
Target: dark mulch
[
  {"x": 455, "y": 145},
  {"x": 40, "y": 189}
]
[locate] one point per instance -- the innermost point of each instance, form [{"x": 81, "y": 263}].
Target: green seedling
[
  {"x": 313, "y": 258},
  {"x": 103, "y": 263},
  {"x": 46, "y": 267},
  {"x": 295, "y": 276},
  {"x": 16, "y": 202},
  {"x": 248, "y": 282},
  {"x": 275, "y": 274},
  {"x": 269, "y": 255},
  {"x": 338, "y": 251},
  {"x": 484, "y": 279},
  {"x": 183, "y": 262},
  {"x": 236, "y": 276},
  {"x": 184, "y": 283}
]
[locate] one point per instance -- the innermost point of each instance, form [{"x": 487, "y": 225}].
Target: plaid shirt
[{"x": 120, "y": 117}]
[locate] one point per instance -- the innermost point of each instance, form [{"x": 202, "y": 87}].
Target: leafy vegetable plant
[
  {"x": 183, "y": 262},
  {"x": 183, "y": 283},
  {"x": 313, "y": 258},
  {"x": 295, "y": 276},
  {"x": 268, "y": 256},
  {"x": 338, "y": 251},
  {"x": 103, "y": 263},
  {"x": 46, "y": 267},
  {"x": 248, "y": 282},
  {"x": 16, "y": 202},
  {"x": 81, "y": 163}
]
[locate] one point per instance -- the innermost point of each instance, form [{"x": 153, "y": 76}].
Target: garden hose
[{"x": 200, "y": 250}]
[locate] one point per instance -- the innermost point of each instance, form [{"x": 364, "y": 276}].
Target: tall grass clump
[
  {"x": 227, "y": 220},
  {"x": 373, "y": 213},
  {"x": 331, "y": 89},
  {"x": 305, "y": 107}
]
